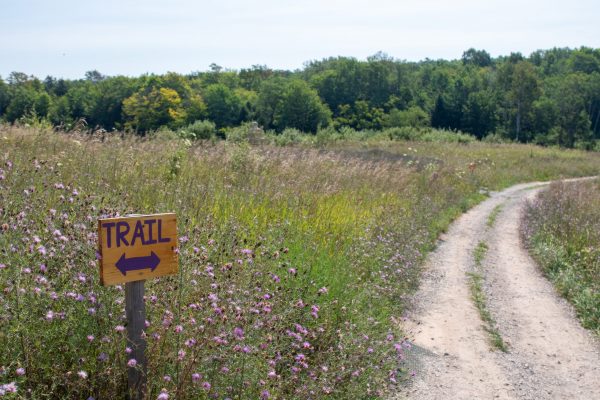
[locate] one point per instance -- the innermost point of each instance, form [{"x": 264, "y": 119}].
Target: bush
[
  {"x": 199, "y": 130},
  {"x": 428, "y": 135},
  {"x": 248, "y": 132},
  {"x": 289, "y": 136}
]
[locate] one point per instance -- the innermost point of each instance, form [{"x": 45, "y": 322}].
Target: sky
[{"x": 66, "y": 38}]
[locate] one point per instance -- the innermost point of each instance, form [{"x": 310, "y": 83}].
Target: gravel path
[{"x": 550, "y": 356}]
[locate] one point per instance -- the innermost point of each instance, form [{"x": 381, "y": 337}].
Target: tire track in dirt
[{"x": 550, "y": 355}]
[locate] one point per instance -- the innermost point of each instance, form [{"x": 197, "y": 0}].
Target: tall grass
[
  {"x": 562, "y": 228},
  {"x": 296, "y": 262}
]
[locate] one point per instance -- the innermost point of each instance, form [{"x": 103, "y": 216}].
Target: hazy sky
[{"x": 65, "y": 38}]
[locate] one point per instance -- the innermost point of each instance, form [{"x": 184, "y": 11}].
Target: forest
[{"x": 551, "y": 97}]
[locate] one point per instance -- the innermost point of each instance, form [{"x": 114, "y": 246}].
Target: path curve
[{"x": 550, "y": 355}]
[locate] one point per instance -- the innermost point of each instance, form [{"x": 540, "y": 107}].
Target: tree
[
  {"x": 522, "y": 87},
  {"x": 442, "y": 116},
  {"x": 4, "y": 96},
  {"x": 573, "y": 119},
  {"x": 270, "y": 95},
  {"x": 414, "y": 116},
  {"x": 150, "y": 110},
  {"x": 301, "y": 108},
  {"x": 360, "y": 116},
  {"x": 94, "y": 76},
  {"x": 22, "y": 102},
  {"x": 479, "y": 58},
  {"x": 106, "y": 109},
  {"x": 545, "y": 117},
  {"x": 223, "y": 106},
  {"x": 480, "y": 113}
]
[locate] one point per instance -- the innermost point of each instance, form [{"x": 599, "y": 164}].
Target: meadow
[
  {"x": 296, "y": 261},
  {"x": 562, "y": 228}
]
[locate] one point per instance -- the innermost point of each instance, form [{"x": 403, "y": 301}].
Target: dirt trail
[{"x": 550, "y": 355}]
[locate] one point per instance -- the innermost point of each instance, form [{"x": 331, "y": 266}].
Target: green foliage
[
  {"x": 301, "y": 108},
  {"x": 224, "y": 107},
  {"x": 289, "y": 136},
  {"x": 479, "y": 58},
  {"x": 199, "y": 130},
  {"x": 427, "y": 135},
  {"x": 152, "y": 107},
  {"x": 414, "y": 117},
  {"x": 551, "y": 97}
]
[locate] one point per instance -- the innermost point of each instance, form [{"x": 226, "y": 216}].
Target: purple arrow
[{"x": 135, "y": 263}]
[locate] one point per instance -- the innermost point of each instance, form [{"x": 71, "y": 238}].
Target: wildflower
[
  {"x": 206, "y": 386},
  {"x": 180, "y": 355},
  {"x": 50, "y": 315},
  {"x": 238, "y": 333},
  {"x": 82, "y": 374},
  {"x": 314, "y": 311},
  {"x": 128, "y": 350},
  {"x": 102, "y": 357},
  {"x": 132, "y": 363},
  {"x": 178, "y": 329},
  {"x": 90, "y": 338},
  {"x": 8, "y": 388},
  {"x": 323, "y": 290},
  {"x": 20, "y": 371},
  {"x": 265, "y": 395},
  {"x": 167, "y": 378},
  {"x": 119, "y": 328},
  {"x": 196, "y": 377},
  {"x": 163, "y": 395}
]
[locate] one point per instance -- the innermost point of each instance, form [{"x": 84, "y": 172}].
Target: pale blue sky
[{"x": 65, "y": 38}]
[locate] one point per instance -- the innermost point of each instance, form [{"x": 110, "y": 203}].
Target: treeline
[{"x": 550, "y": 97}]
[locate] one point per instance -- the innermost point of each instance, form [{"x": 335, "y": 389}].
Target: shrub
[{"x": 199, "y": 130}]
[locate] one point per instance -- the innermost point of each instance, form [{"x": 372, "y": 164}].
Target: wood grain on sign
[{"x": 137, "y": 247}]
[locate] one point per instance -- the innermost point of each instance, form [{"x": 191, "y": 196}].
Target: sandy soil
[{"x": 550, "y": 355}]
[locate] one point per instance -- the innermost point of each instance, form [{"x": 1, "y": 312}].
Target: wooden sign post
[{"x": 133, "y": 249}]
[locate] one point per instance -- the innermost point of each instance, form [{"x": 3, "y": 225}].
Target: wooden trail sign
[
  {"x": 137, "y": 247},
  {"x": 133, "y": 249}
]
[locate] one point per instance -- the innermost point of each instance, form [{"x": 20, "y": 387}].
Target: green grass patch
[
  {"x": 476, "y": 282},
  {"x": 491, "y": 219}
]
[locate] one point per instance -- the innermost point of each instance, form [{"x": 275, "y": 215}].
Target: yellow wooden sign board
[{"x": 137, "y": 247}]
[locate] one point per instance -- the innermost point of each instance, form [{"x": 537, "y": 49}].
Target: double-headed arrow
[{"x": 135, "y": 263}]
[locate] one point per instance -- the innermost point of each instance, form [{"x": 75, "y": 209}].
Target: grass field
[
  {"x": 562, "y": 228},
  {"x": 296, "y": 262}
]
